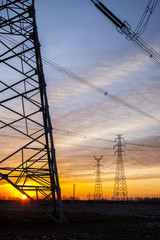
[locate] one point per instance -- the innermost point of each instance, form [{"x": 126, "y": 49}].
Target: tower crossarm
[{"x": 28, "y": 162}]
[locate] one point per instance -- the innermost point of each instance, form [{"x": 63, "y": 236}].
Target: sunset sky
[{"x": 76, "y": 36}]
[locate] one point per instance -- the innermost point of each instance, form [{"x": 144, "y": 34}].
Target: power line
[
  {"x": 142, "y": 150},
  {"x": 104, "y": 139},
  {"x": 81, "y": 145},
  {"x": 85, "y": 156},
  {"x": 145, "y": 17},
  {"x": 124, "y": 28},
  {"x": 91, "y": 85},
  {"x": 146, "y": 165},
  {"x": 98, "y": 89},
  {"x": 82, "y": 135},
  {"x": 142, "y": 145}
]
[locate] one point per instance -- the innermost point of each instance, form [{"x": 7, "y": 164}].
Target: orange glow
[
  {"x": 7, "y": 191},
  {"x": 24, "y": 197},
  {"x": 85, "y": 189}
]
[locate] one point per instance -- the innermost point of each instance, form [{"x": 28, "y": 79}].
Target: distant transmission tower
[
  {"x": 98, "y": 192},
  {"x": 28, "y": 161},
  {"x": 120, "y": 186}
]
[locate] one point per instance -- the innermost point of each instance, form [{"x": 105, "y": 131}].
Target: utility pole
[
  {"x": 89, "y": 197},
  {"x": 98, "y": 193},
  {"x": 74, "y": 191},
  {"x": 120, "y": 187},
  {"x": 31, "y": 168}
]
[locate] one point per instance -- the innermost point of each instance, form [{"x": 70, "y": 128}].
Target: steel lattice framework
[
  {"x": 98, "y": 192},
  {"x": 25, "y": 120},
  {"x": 120, "y": 187}
]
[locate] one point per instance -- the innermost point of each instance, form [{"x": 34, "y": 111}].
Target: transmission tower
[
  {"x": 120, "y": 186},
  {"x": 28, "y": 156},
  {"x": 98, "y": 192}
]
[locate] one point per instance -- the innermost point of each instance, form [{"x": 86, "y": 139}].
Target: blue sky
[{"x": 75, "y": 35}]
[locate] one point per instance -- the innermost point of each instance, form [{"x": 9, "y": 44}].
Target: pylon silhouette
[
  {"x": 120, "y": 187},
  {"x": 25, "y": 120},
  {"x": 98, "y": 192}
]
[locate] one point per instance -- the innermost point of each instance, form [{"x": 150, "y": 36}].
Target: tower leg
[{"x": 28, "y": 160}]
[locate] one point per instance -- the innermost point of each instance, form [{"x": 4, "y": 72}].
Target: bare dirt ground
[{"x": 85, "y": 221}]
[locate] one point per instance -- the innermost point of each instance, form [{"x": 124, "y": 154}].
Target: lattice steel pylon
[
  {"x": 28, "y": 160},
  {"x": 120, "y": 186},
  {"x": 98, "y": 191}
]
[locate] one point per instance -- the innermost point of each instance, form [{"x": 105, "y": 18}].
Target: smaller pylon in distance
[{"x": 98, "y": 192}]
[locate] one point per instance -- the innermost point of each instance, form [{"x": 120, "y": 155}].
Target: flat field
[{"x": 85, "y": 220}]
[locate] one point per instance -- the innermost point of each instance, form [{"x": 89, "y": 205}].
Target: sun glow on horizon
[{"x": 24, "y": 197}]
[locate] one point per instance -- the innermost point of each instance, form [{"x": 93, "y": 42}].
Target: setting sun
[{"x": 24, "y": 197}]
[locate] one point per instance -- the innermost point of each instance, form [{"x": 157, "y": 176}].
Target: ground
[{"x": 85, "y": 221}]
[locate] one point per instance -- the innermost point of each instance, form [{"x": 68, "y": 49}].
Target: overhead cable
[
  {"x": 143, "y": 145},
  {"x": 90, "y": 85},
  {"x": 124, "y": 28},
  {"x": 145, "y": 17}
]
